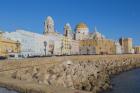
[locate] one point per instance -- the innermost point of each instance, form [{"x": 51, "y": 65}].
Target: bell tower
[
  {"x": 68, "y": 31},
  {"x": 49, "y": 25}
]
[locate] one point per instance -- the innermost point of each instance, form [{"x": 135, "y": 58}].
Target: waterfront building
[
  {"x": 53, "y": 38},
  {"x": 54, "y": 44},
  {"x": 96, "y": 43},
  {"x": 31, "y": 44},
  {"x": 49, "y": 25},
  {"x": 66, "y": 46},
  {"x": 81, "y": 32},
  {"x": 68, "y": 31},
  {"x": 96, "y": 35},
  {"x": 71, "y": 42},
  {"x": 66, "y": 41},
  {"x": 118, "y": 48},
  {"x": 8, "y": 46},
  {"x": 75, "y": 47},
  {"x": 137, "y": 49},
  {"x": 127, "y": 45},
  {"x": 95, "y": 46},
  {"x": 70, "y": 46}
]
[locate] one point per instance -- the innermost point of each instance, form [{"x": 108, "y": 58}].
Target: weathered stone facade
[
  {"x": 8, "y": 46},
  {"x": 81, "y": 31},
  {"x": 137, "y": 49},
  {"x": 127, "y": 45},
  {"x": 102, "y": 46}
]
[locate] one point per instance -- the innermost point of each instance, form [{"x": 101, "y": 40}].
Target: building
[
  {"x": 53, "y": 38},
  {"x": 31, "y": 43},
  {"x": 127, "y": 46},
  {"x": 137, "y": 50},
  {"x": 96, "y": 35},
  {"x": 118, "y": 48},
  {"x": 49, "y": 26},
  {"x": 66, "y": 41},
  {"x": 54, "y": 44},
  {"x": 71, "y": 42},
  {"x": 8, "y": 46},
  {"x": 81, "y": 32},
  {"x": 70, "y": 46},
  {"x": 102, "y": 46},
  {"x": 66, "y": 46},
  {"x": 96, "y": 43},
  {"x": 34, "y": 44},
  {"x": 75, "y": 47},
  {"x": 68, "y": 31}
]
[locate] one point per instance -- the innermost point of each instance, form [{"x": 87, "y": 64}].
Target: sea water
[{"x": 127, "y": 82}]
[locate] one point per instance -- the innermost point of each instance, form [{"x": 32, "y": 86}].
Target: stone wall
[{"x": 89, "y": 73}]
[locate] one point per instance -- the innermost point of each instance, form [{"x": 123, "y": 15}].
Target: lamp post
[
  {"x": 70, "y": 48},
  {"x": 45, "y": 44},
  {"x": 80, "y": 51},
  {"x": 18, "y": 45},
  {"x": 87, "y": 51},
  {"x": 61, "y": 48}
]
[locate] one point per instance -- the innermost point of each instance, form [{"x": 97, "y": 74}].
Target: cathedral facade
[
  {"x": 93, "y": 43},
  {"x": 71, "y": 42}
]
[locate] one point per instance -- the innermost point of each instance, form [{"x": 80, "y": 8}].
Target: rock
[{"x": 89, "y": 75}]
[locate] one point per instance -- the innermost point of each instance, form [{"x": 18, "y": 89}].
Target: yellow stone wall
[
  {"x": 102, "y": 46},
  {"x": 66, "y": 45},
  {"x": 127, "y": 45},
  {"x": 8, "y": 46},
  {"x": 137, "y": 49}
]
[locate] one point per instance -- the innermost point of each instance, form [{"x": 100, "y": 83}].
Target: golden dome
[{"x": 81, "y": 25}]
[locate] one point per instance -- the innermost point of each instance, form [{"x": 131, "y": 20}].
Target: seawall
[{"x": 73, "y": 73}]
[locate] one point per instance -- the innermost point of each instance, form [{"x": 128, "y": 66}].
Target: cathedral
[
  {"x": 93, "y": 43},
  {"x": 71, "y": 42}
]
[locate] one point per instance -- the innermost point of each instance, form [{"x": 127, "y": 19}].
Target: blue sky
[{"x": 113, "y": 18}]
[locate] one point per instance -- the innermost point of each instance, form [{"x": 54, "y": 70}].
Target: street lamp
[
  {"x": 87, "y": 51},
  {"x": 18, "y": 45},
  {"x": 45, "y": 44},
  {"x": 61, "y": 48},
  {"x": 70, "y": 49}
]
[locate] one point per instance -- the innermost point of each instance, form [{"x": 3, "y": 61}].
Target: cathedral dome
[{"x": 81, "y": 26}]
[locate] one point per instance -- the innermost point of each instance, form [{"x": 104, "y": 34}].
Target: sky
[{"x": 112, "y": 18}]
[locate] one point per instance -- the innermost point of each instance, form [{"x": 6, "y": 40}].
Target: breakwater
[{"x": 88, "y": 73}]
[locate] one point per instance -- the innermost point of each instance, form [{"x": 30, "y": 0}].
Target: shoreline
[
  {"x": 19, "y": 89},
  {"x": 113, "y": 68},
  {"x": 120, "y": 82},
  {"x": 115, "y": 75},
  {"x": 24, "y": 87}
]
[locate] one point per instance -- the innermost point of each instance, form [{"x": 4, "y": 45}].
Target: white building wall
[
  {"x": 57, "y": 39},
  {"x": 29, "y": 45},
  {"x": 119, "y": 49},
  {"x": 32, "y": 44},
  {"x": 74, "y": 47}
]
